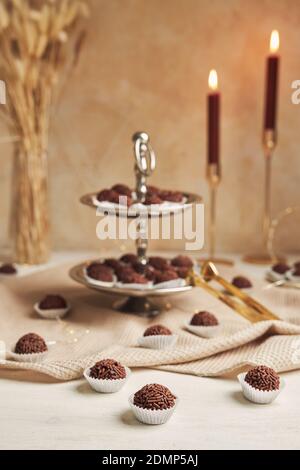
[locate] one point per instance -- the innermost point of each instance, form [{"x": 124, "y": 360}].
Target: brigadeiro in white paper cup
[
  {"x": 107, "y": 376},
  {"x": 153, "y": 404},
  {"x": 261, "y": 385},
  {"x": 52, "y": 307},
  {"x": 29, "y": 348},
  {"x": 277, "y": 272},
  {"x": 99, "y": 274},
  {"x": 157, "y": 337},
  {"x": 203, "y": 324}
]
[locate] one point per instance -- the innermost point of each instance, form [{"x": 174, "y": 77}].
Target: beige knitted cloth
[{"x": 93, "y": 330}]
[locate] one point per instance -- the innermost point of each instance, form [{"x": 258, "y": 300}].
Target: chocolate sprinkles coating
[
  {"x": 154, "y": 397},
  {"x": 157, "y": 330},
  {"x": 108, "y": 369},
  {"x": 263, "y": 378},
  {"x": 30, "y": 343}
]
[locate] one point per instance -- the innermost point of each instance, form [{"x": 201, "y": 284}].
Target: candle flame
[
  {"x": 274, "y": 41},
  {"x": 213, "y": 80}
]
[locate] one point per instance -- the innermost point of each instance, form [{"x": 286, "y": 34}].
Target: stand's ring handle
[{"x": 144, "y": 153}]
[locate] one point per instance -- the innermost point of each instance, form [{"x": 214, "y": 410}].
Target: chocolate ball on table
[
  {"x": 297, "y": 264},
  {"x": 280, "y": 268},
  {"x": 31, "y": 343},
  {"x": 156, "y": 330},
  {"x": 154, "y": 397},
  {"x": 52, "y": 301},
  {"x": 241, "y": 282},
  {"x": 108, "y": 369},
  {"x": 263, "y": 378},
  {"x": 296, "y": 272},
  {"x": 204, "y": 318},
  {"x": 8, "y": 269}
]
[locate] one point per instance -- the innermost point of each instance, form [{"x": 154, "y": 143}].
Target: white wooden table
[{"x": 212, "y": 414}]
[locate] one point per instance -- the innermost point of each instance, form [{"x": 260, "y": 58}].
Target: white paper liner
[
  {"x": 51, "y": 313},
  {"x": 261, "y": 397},
  {"x": 170, "y": 284},
  {"x": 291, "y": 277},
  {"x": 151, "y": 416},
  {"x": 123, "y": 285},
  {"x": 91, "y": 280},
  {"x": 166, "y": 206},
  {"x": 106, "y": 385},
  {"x": 274, "y": 277},
  {"x": 203, "y": 331},
  {"x": 157, "y": 341},
  {"x": 33, "y": 357}
]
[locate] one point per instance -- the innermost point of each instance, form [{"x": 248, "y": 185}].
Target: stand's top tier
[{"x": 145, "y": 163}]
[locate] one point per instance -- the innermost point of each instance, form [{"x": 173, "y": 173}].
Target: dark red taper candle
[
  {"x": 272, "y": 77},
  {"x": 213, "y": 120}
]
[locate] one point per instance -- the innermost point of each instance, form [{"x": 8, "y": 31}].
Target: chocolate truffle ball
[
  {"x": 108, "y": 369},
  {"x": 157, "y": 330},
  {"x": 30, "y": 344},
  {"x": 171, "y": 196},
  {"x": 280, "y": 268},
  {"x": 297, "y": 264},
  {"x": 154, "y": 397},
  {"x": 182, "y": 272},
  {"x": 52, "y": 302},
  {"x": 152, "y": 190},
  {"x": 100, "y": 272},
  {"x": 135, "y": 278},
  {"x": 129, "y": 258},
  {"x": 108, "y": 195},
  {"x": 241, "y": 282},
  {"x": 112, "y": 263},
  {"x": 8, "y": 268},
  {"x": 182, "y": 261},
  {"x": 263, "y": 378},
  {"x": 123, "y": 272},
  {"x": 122, "y": 189},
  {"x": 146, "y": 270},
  {"x": 152, "y": 199},
  {"x": 158, "y": 262},
  {"x": 204, "y": 319},
  {"x": 165, "y": 276}
]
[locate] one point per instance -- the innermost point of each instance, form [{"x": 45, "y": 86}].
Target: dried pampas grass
[{"x": 40, "y": 40}]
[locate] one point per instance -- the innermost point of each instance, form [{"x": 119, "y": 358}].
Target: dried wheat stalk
[{"x": 39, "y": 40}]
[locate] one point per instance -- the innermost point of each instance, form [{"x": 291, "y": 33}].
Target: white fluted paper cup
[
  {"x": 291, "y": 277},
  {"x": 157, "y": 341},
  {"x": 31, "y": 357},
  {"x": 262, "y": 397},
  {"x": 106, "y": 385},
  {"x": 51, "y": 313},
  {"x": 203, "y": 331},
  {"x": 272, "y": 276},
  {"x": 151, "y": 416}
]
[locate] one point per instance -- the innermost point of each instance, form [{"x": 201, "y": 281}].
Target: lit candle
[
  {"x": 272, "y": 83},
  {"x": 213, "y": 121}
]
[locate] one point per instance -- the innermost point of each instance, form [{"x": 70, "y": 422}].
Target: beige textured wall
[{"x": 145, "y": 66}]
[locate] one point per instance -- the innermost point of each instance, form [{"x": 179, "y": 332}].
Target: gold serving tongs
[{"x": 246, "y": 306}]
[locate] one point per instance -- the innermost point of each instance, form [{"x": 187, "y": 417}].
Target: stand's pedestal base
[
  {"x": 224, "y": 261},
  {"x": 263, "y": 259},
  {"x": 137, "y": 305}
]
